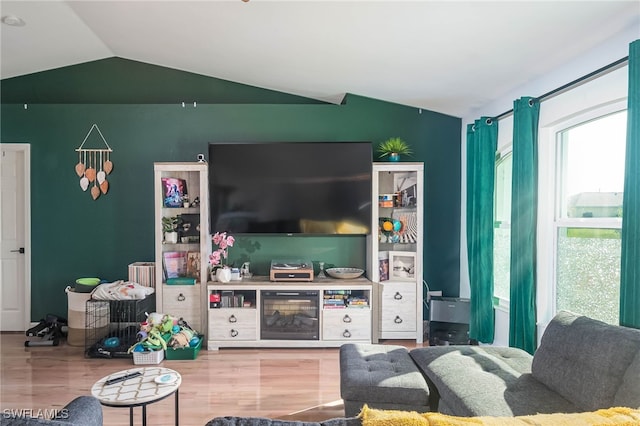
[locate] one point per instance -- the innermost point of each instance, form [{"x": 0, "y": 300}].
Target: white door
[{"x": 15, "y": 221}]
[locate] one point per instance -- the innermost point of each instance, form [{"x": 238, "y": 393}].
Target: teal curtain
[
  {"x": 630, "y": 256},
  {"x": 524, "y": 204},
  {"x": 482, "y": 141}
]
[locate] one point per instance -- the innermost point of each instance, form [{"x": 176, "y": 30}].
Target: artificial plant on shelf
[
  {"x": 218, "y": 256},
  {"x": 393, "y": 148},
  {"x": 170, "y": 228}
]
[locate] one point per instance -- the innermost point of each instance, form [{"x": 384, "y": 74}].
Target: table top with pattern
[{"x": 135, "y": 391}]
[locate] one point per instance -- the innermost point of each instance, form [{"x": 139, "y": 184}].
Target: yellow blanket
[{"x": 610, "y": 416}]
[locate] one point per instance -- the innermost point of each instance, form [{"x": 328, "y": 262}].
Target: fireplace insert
[{"x": 290, "y": 315}]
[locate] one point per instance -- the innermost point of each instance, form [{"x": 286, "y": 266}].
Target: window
[
  {"x": 502, "y": 227},
  {"x": 589, "y": 188}
]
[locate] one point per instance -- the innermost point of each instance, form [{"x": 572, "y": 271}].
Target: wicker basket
[{"x": 151, "y": 357}]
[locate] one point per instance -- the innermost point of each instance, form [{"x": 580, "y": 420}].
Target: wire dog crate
[{"x": 112, "y": 325}]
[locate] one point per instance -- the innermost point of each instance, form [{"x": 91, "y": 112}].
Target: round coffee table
[{"x": 138, "y": 391}]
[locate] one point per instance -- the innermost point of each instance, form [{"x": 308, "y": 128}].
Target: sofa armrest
[{"x": 82, "y": 411}]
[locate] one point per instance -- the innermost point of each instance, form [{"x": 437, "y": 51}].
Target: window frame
[{"x": 553, "y": 204}]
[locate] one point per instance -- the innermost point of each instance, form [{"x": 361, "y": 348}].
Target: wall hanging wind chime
[{"x": 89, "y": 161}]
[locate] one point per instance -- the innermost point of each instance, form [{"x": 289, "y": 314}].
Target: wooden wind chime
[{"x": 89, "y": 161}]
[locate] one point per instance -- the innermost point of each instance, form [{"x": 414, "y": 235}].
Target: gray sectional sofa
[{"x": 581, "y": 365}]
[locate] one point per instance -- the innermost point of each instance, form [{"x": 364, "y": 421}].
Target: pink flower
[
  {"x": 214, "y": 258},
  {"x": 223, "y": 242}
]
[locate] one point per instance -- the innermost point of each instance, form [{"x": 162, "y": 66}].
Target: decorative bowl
[
  {"x": 345, "y": 273},
  {"x": 86, "y": 285}
]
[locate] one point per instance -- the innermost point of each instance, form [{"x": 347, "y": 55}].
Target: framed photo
[
  {"x": 383, "y": 266},
  {"x": 402, "y": 266},
  {"x": 173, "y": 191},
  {"x": 406, "y": 187}
]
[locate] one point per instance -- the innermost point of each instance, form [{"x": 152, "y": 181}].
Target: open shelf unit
[
  {"x": 395, "y": 249},
  {"x": 182, "y": 296}
]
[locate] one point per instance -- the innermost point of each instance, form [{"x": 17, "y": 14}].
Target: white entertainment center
[
  {"x": 383, "y": 303},
  {"x": 245, "y": 326}
]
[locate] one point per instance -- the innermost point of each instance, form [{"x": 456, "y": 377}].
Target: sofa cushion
[
  {"x": 486, "y": 380},
  {"x": 613, "y": 416},
  {"x": 381, "y": 373},
  {"x": 585, "y": 360}
]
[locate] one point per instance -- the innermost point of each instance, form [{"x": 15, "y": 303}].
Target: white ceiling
[{"x": 445, "y": 56}]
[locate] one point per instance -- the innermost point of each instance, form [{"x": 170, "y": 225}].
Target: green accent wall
[{"x": 74, "y": 236}]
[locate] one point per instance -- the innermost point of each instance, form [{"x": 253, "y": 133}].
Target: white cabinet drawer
[
  {"x": 182, "y": 302},
  {"x": 233, "y": 324},
  {"x": 346, "y": 324},
  {"x": 398, "y": 307}
]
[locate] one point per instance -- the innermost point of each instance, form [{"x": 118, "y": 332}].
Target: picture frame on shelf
[
  {"x": 383, "y": 266},
  {"x": 405, "y": 186},
  {"x": 193, "y": 265},
  {"x": 174, "y": 191},
  {"x": 402, "y": 266}
]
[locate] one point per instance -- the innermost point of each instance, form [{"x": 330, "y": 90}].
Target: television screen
[{"x": 292, "y": 188}]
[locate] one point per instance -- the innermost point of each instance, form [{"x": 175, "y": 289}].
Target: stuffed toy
[{"x": 181, "y": 339}]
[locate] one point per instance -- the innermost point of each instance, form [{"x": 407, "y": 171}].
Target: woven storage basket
[{"x": 152, "y": 357}]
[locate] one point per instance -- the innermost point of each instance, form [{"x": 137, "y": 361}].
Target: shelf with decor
[
  {"x": 182, "y": 243},
  {"x": 395, "y": 249}
]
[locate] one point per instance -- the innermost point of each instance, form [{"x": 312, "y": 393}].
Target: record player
[{"x": 291, "y": 270}]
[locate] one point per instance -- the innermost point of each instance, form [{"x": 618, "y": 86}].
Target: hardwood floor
[{"x": 300, "y": 384}]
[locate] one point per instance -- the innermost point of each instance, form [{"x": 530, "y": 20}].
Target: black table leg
[
  {"x": 130, "y": 416},
  {"x": 177, "y": 421},
  {"x": 144, "y": 415}
]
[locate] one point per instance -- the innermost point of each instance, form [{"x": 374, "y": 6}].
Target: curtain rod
[{"x": 607, "y": 68}]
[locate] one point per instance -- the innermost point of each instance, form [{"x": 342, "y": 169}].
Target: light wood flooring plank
[{"x": 302, "y": 384}]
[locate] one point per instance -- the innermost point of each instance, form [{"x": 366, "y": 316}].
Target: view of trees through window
[{"x": 590, "y": 183}]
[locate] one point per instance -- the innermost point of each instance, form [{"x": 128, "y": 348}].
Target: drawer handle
[
  {"x": 181, "y": 298},
  {"x": 234, "y": 333},
  {"x": 346, "y": 318},
  {"x": 346, "y": 334},
  {"x": 233, "y": 318},
  {"x": 398, "y": 320},
  {"x": 397, "y": 296}
]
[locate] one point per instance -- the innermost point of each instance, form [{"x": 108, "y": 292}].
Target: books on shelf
[
  {"x": 231, "y": 299},
  {"x": 181, "y": 281},
  {"x": 338, "y": 299}
]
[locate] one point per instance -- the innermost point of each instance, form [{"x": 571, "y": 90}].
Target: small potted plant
[
  {"x": 170, "y": 228},
  {"x": 393, "y": 148}
]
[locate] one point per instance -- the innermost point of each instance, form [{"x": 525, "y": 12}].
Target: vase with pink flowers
[{"x": 219, "y": 270}]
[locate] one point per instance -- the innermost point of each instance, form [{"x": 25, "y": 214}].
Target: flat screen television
[{"x": 290, "y": 187}]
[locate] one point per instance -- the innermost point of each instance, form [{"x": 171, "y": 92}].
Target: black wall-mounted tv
[{"x": 290, "y": 188}]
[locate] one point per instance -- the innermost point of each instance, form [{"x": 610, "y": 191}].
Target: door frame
[{"x": 25, "y": 148}]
